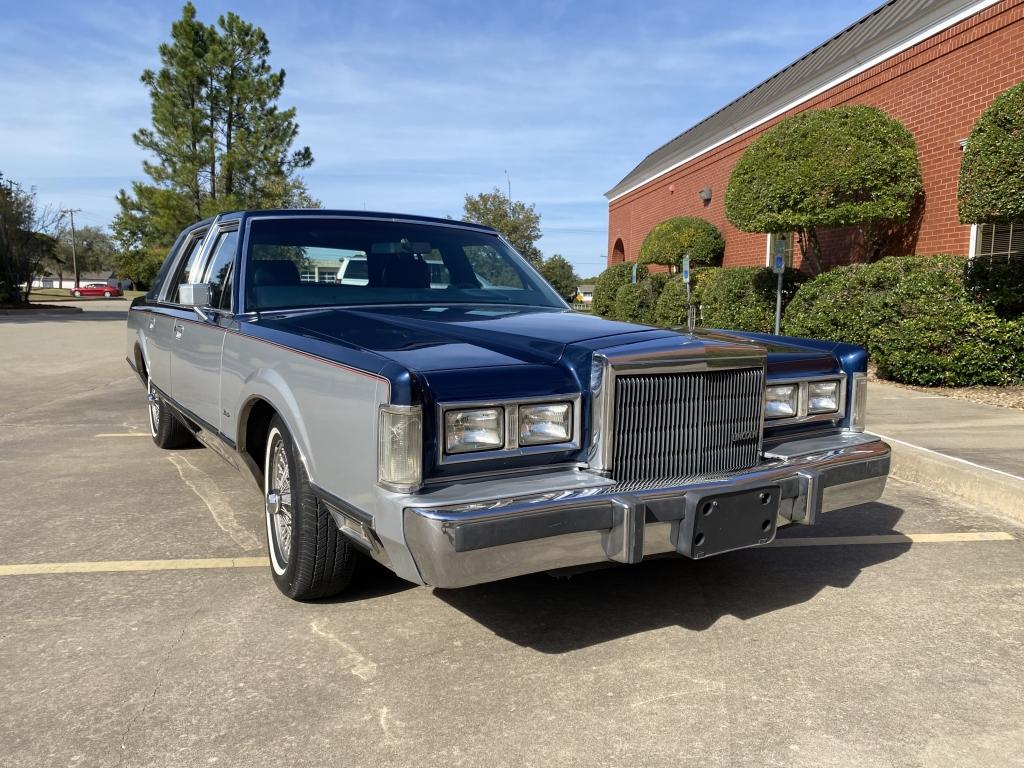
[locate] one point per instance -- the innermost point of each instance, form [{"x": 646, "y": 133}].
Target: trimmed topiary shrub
[
  {"x": 635, "y": 302},
  {"x": 992, "y": 170},
  {"x": 742, "y": 298},
  {"x": 683, "y": 236},
  {"x": 608, "y": 284},
  {"x": 826, "y": 168}
]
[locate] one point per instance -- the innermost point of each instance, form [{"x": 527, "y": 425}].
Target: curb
[{"x": 991, "y": 490}]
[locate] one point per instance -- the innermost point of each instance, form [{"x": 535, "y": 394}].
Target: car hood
[{"x": 444, "y": 337}]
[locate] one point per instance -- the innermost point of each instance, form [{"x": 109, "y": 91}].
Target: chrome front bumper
[{"x": 475, "y": 540}]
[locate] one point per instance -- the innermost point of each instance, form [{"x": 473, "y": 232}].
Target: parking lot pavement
[{"x": 863, "y": 651}]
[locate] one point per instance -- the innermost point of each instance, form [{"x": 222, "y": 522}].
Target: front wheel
[
  {"x": 106, "y": 294},
  {"x": 77, "y": 293},
  {"x": 164, "y": 425},
  {"x": 309, "y": 557}
]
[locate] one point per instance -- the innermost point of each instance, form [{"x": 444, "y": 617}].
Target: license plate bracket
[{"x": 722, "y": 522}]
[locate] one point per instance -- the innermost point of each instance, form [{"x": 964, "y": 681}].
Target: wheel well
[{"x": 254, "y": 438}]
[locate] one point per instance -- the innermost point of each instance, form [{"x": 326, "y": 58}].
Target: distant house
[
  {"x": 934, "y": 65},
  {"x": 52, "y": 281},
  {"x": 586, "y": 291}
]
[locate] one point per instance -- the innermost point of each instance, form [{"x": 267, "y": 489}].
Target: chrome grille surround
[{"x": 695, "y": 411}]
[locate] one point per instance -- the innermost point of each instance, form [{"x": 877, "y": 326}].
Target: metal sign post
[
  {"x": 691, "y": 315},
  {"x": 778, "y": 267}
]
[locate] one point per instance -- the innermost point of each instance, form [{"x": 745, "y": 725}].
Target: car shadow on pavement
[{"x": 556, "y": 616}]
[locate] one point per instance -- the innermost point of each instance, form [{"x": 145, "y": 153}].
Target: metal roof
[{"x": 890, "y": 28}]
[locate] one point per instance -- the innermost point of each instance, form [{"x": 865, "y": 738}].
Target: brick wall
[{"x": 937, "y": 89}]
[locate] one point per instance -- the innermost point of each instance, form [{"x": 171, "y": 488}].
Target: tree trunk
[{"x": 810, "y": 248}]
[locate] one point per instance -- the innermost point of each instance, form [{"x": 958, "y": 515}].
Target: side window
[
  {"x": 218, "y": 273},
  {"x": 181, "y": 274}
]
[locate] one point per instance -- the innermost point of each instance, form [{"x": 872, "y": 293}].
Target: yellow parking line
[
  {"x": 893, "y": 538},
  {"x": 120, "y": 566},
  {"x": 123, "y": 434},
  {"x": 128, "y": 566}
]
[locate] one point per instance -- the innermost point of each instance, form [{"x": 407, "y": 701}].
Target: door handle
[
  {"x": 152, "y": 323},
  {"x": 178, "y": 330}
]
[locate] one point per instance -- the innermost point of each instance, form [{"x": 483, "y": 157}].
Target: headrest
[{"x": 276, "y": 272}]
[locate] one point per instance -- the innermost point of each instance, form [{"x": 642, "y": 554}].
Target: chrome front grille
[{"x": 696, "y": 424}]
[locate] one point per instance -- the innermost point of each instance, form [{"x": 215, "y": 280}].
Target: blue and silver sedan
[{"x": 445, "y": 413}]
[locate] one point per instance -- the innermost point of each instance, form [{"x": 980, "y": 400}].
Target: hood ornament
[{"x": 691, "y": 318}]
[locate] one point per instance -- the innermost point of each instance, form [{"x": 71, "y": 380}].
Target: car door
[
  {"x": 196, "y": 342},
  {"x": 156, "y": 327}
]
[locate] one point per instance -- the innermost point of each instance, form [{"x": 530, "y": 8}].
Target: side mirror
[{"x": 194, "y": 294}]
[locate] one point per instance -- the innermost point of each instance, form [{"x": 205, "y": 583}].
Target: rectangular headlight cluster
[
  {"x": 802, "y": 398},
  {"x": 471, "y": 430}
]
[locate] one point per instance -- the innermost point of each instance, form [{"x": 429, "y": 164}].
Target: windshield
[{"x": 308, "y": 261}]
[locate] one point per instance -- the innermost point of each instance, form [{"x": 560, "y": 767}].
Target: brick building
[{"x": 935, "y": 65}]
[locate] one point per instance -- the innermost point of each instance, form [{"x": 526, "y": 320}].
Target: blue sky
[{"x": 409, "y": 106}]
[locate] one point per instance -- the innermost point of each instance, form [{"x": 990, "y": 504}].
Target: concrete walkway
[{"x": 970, "y": 450}]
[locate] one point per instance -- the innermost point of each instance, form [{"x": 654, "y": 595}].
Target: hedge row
[
  {"x": 742, "y": 298},
  {"x": 918, "y": 319},
  {"x": 921, "y": 320}
]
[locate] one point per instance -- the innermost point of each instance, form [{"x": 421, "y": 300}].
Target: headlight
[
  {"x": 400, "y": 447},
  {"x": 545, "y": 423},
  {"x": 822, "y": 396},
  {"x": 480, "y": 429},
  {"x": 781, "y": 400}
]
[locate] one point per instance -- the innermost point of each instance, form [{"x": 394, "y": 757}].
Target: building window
[
  {"x": 780, "y": 241},
  {"x": 308, "y": 276},
  {"x": 999, "y": 241}
]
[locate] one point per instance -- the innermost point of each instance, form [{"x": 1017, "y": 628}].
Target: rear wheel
[
  {"x": 164, "y": 425},
  {"x": 309, "y": 557}
]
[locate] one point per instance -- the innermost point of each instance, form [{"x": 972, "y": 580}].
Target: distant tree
[
  {"x": 26, "y": 239},
  {"x": 991, "y": 187},
  {"x": 93, "y": 252},
  {"x": 560, "y": 273},
  {"x": 670, "y": 241},
  {"x": 218, "y": 140},
  {"x": 851, "y": 166},
  {"x": 517, "y": 221}
]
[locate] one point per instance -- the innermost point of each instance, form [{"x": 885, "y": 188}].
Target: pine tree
[{"x": 218, "y": 138}]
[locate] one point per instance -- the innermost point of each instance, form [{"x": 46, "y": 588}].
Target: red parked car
[{"x": 96, "y": 289}]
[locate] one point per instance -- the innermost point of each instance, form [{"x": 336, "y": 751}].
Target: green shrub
[
  {"x": 826, "y": 168},
  {"x": 635, "y": 302},
  {"x": 916, "y": 318},
  {"x": 742, "y": 298},
  {"x": 670, "y": 309},
  {"x": 999, "y": 282},
  {"x": 847, "y": 303},
  {"x": 608, "y": 284},
  {"x": 991, "y": 185},
  {"x": 965, "y": 345},
  {"x": 683, "y": 236}
]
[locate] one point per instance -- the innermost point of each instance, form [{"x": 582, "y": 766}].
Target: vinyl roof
[{"x": 885, "y": 31}]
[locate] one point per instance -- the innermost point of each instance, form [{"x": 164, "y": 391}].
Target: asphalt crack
[{"x": 157, "y": 680}]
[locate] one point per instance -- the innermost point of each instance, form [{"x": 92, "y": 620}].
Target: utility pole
[
  {"x": 509, "y": 193},
  {"x": 74, "y": 247}
]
